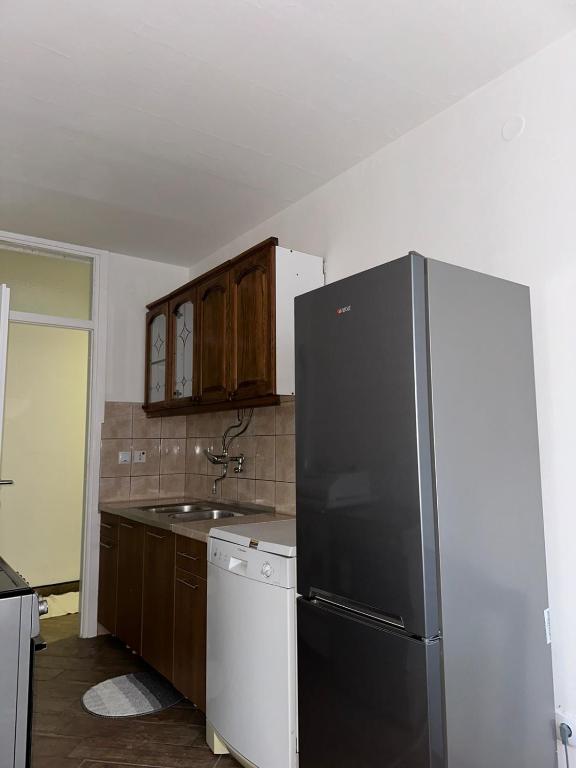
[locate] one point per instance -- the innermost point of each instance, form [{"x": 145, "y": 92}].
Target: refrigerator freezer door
[
  {"x": 365, "y": 522},
  {"x": 367, "y": 696}
]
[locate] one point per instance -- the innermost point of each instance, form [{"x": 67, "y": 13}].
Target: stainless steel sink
[
  {"x": 200, "y": 510},
  {"x": 171, "y": 509},
  {"x": 210, "y": 514}
]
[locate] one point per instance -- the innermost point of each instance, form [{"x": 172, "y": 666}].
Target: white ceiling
[{"x": 165, "y": 128}]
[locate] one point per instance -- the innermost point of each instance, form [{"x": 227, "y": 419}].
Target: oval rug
[{"x": 140, "y": 693}]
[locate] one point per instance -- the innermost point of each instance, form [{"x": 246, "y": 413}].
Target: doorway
[{"x": 47, "y": 418}]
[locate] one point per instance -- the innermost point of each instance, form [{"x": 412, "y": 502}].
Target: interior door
[
  {"x": 367, "y": 696},
  {"x": 4, "y": 320}
]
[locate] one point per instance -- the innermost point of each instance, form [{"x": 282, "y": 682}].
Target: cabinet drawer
[{"x": 191, "y": 556}]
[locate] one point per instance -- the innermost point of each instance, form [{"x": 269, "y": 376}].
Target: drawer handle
[
  {"x": 106, "y": 546},
  {"x": 155, "y": 535},
  {"x": 186, "y": 584},
  {"x": 189, "y": 557},
  {"x": 125, "y": 525},
  {"x": 105, "y": 525}
]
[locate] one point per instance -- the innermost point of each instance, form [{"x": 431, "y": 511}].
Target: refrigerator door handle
[{"x": 381, "y": 618}]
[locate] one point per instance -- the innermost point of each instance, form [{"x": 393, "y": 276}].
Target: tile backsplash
[{"x": 176, "y": 464}]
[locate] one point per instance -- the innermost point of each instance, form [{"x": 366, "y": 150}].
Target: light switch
[
  {"x": 123, "y": 457},
  {"x": 139, "y": 457}
]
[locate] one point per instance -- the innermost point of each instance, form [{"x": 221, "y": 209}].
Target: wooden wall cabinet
[
  {"x": 252, "y": 347},
  {"x": 243, "y": 333},
  {"x": 212, "y": 338},
  {"x": 157, "y": 358}
]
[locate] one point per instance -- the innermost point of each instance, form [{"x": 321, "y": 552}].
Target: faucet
[{"x": 224, "y": 460}]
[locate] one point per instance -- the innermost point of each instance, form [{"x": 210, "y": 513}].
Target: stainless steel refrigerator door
[
  {"x": 497, "y": 664},
  {"x": 367, "y": 696},
  {"x": 365, "y": 518}
]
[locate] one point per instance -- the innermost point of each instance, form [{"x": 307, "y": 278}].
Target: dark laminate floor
[{"x": 65, "y": 736}]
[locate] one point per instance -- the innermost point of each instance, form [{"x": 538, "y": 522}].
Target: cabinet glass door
[
  {"x": 183, "y": 361},
  {"x": 157, "y": 345}
]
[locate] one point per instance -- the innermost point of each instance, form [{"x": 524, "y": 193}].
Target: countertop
[{"x": 199, "y": 529}]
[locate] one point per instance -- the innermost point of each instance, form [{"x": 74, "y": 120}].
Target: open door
[{"x": 4, "y": 319}]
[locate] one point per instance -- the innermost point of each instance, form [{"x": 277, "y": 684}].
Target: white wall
[
  {"x": 132, "y": 283},
  {"x": 455, "y": 190}
]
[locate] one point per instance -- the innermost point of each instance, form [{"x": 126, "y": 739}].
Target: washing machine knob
[{"x": 267, "y": 570}]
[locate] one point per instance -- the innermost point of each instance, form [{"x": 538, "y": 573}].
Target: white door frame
[{"x": 96, "y": 399}]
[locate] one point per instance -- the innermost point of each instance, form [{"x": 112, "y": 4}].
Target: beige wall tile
[
  {"x": 152, "y": 464},
  {"x": 200, "y": 487},
  {"x": 144, "y": 487},
  {"x": 173, "y": 426},
  {"x": 285, "y": 422},
  {"x": 117, "y": 420},
  {"x": 265, "y": 457},
  {"x": 109, "y": 450},
  {"x": 142, "y": 426},
  {"x": 285, "y": 458},
  {"x": 265, "y": 492},
  {"x": 246, "y": 489},
  {"x": 172, "y": 485},
  {"x": 114, "y": 488},
  {"x": 172, "y": 456},
  {"x": 286, "y": 498},
  {"x": 245, "y": 445},
  {"x": 265, "y": 421},
  {"x": 229, "y": 489},
  {"x": 196, "y": 461}
]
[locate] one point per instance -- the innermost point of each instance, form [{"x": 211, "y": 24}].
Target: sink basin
[
  {"x": 172, "y": 509},
  {"x": 208, "y": 514},
  {"x": 199, "y": 510}
]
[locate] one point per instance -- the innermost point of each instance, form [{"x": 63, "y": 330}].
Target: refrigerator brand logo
[{"x": 342, "y": 310}]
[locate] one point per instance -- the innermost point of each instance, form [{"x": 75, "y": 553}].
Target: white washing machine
[{"x": 251, "y": 708}]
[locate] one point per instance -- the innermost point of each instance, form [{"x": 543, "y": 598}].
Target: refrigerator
[{"x": 422, "y": 609}]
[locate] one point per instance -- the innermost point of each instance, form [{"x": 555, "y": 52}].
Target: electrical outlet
[
  {"x": 123, "y": 457},
  {"x": 566, "y": 717},
  {"x": 139, "y": 457}
]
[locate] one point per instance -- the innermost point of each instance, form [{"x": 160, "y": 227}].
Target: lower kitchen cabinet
[
  {"x": 152, "y": 596},
  {"x": 108, "y": 573},
  {"x": 190, "y": 637},
  {"x": 158, "y": 600},
  {"x": 129, "y": 591}
]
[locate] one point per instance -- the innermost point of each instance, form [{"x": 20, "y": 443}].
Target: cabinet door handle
[
  {"x": 186, "y": 584},
  {"x": 189, "y": 557},
  {"x": 105, "y": 525},
  {"x": 106, "y": 546},
  {"x": 125, "y": 525},
  {"x": 155, "y": 535}
]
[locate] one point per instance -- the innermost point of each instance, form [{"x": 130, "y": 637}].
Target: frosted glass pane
[
  {"x": 183, "y": 353},
  {"x": 44, "y": 452},
  {"x": 158, "y": 339},
  {"x": 157, "y": 382},
  {"x": 157, "y": 379},
  {"x": 47, "y": 284}
]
